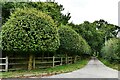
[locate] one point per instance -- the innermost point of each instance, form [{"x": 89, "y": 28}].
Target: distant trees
[
  {"x": 30, "y": 31},
  {"x": 88, "y": 31},
  {"x": 96, "y": 33},
  {"x": 106, "y": 30},
  {"x": 109, "y": 30}
]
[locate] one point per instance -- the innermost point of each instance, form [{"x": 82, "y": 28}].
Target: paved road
[{"x": 94, "y": 69}]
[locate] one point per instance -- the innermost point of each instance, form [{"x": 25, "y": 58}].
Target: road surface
[{"x": 94, "y": 69}]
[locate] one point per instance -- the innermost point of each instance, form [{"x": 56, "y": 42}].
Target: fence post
[
  {"x": 71, "y": 60},
  {"x": 53, "y": 61},
  {"x": 34, "y": 63},
  {"x": 66, "y": 59},
  {"x": 61, "y": 61},
  {"x": 6, "y": 66},
  {"x": 75, "y": 59}
]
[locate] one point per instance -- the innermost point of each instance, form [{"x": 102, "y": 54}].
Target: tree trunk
[
  {"x": 42, "y": 56},
  {"x": 75, "y": 58},
  {"x": 30, "y": 66},
  {"x": 48, "y": 56},
  {"x": 66, "y": 58},
  {"x": 33, "y": 62}
]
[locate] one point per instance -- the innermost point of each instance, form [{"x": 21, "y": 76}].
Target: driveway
[{"x": 94, "y": 69}]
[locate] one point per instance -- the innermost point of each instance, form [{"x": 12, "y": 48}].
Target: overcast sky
[{"x": 91, "y": 10}]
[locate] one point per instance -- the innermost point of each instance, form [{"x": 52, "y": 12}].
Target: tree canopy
[
  {"x": 50, "y": 8},
  {"x": 29, "y": 30},
  {"x": 96, "y": 33}
]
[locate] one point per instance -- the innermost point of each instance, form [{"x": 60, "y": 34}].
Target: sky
[{"x": 91, "y": 10}]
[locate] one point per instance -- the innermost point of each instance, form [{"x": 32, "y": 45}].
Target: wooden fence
[
  {"x": 38, "y": 62},
  {"x": 52, "y": 61},
  {"x": 4, "y": 64},
  {"x": 17, "y": 63}
]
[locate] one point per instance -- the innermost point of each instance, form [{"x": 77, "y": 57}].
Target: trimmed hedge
[
  {"x": 71, "y": 42},
  {"x": 30, "y": 30}
]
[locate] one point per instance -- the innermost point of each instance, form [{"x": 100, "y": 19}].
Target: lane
[{"x": 94, "y": 69}]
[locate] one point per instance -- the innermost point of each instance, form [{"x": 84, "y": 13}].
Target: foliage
[
  {"x": 110, "y": 30},
  {"x": 71, "y": 42},
  {"x": 88, "y": 31},
  {"x": 96, "y": 33},
  {"x": 50, "y": 8},
  {"x": 109, "y": 64},
  {"x": 29, "y": 30},
  {"x": 106, "y": 29},
  {"x": 111, "y": 50}
]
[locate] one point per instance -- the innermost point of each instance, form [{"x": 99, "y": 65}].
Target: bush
[
  {"x": 71, "y": 42},
  {"x": 30, "y": 30},
  {"x": 111, "y": 50}
]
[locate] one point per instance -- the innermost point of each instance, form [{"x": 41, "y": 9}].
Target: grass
[
  {"x": 111, "y": 65},
  {"x": 45, "y": 72}
]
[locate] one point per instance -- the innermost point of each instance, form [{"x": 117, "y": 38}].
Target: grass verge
[
  {"x": 111, "y": 65},
  {"x": 45, "y": 72}
]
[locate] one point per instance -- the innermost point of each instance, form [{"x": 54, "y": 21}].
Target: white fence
[{"x": 4, "y": 65}]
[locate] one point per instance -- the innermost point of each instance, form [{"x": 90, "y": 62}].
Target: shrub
[
  {"x": 29, "y": 30},
  {"x": 111, "y": 50},
  {"x": 71, "y": 42}
]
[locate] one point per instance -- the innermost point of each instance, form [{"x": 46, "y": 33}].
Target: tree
[
  {"x": 108, "y": 29},
  {"x": 29, "y": 30},
  {"x": 96, "y": 33},
  {"x": 50, "y": 8},
  {"x": 71, "y": 42},
  {"x": 88, "y": 31}
]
